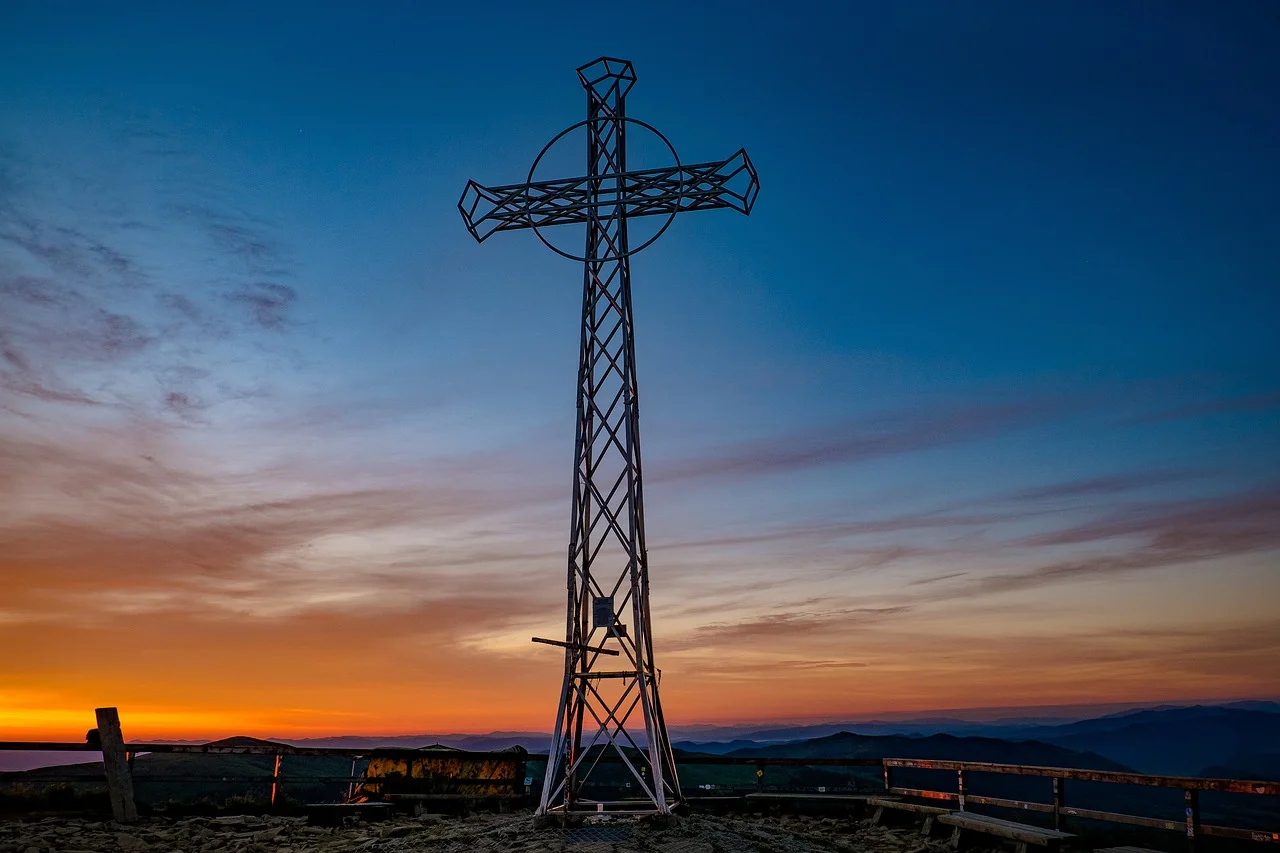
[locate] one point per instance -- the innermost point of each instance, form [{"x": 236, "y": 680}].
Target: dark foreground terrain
[{"x": 476, "y": 834}]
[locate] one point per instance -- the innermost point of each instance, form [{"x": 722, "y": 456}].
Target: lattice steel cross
[{"x": 608, "y": 577}]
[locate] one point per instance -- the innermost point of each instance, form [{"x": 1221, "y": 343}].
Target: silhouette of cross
[
  {"x": 608, "y": 578},
  {"x": 608, "y": 190}
]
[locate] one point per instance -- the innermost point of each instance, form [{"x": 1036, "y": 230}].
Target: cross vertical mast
[
  {"x": 608, "y": 571},
  {"x": 608, "y": 567}
]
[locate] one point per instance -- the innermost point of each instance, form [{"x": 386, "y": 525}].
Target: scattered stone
[
  {"x": 479, "y": 833},
  {"x": 687, "y": 847}
]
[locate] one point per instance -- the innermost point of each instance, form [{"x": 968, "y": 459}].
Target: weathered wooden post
[
  {"x": 760, "y": 778},
  {"x": 115, "y": 762},
  {"x": 1193, "y": 818},
  {"x": 888, "y": 787},
  {"x": 1058, "y": 801},
  {"x": 960, "y": 788},
  {"x": 275, "y": 779}
]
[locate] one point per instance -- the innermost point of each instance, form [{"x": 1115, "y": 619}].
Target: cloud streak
[
  {"x": 1153, "y": 537},
  {"x": 782, "y": 628},
  {"x": 1098, "y": 487},
  {"x": 87, "y": 291},
  {"x": 866, "y": 439}
]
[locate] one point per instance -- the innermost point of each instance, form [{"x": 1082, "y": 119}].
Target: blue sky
[{"x": 991, "y": 366}]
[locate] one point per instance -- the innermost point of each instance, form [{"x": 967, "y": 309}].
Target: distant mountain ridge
[
  {"x": 1234, "y": 739},
  {"x": 532, "y": 741},
  {"x": 1177, "y": 742},
  {"x": 1029, "y": 727},
  {"x": 944, "y": 747}
]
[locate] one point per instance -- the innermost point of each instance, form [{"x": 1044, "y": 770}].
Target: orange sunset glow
[{"x": 978, "y": 408}]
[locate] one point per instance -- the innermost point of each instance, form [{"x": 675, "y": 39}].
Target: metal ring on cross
[{"x": 570, "y": 129}]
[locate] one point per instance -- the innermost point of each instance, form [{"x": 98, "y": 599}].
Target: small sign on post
[
  {"x": 1192, "y": 799},
  {"x": 602, "y": 612},
  {"x": 115, "y": 761}
]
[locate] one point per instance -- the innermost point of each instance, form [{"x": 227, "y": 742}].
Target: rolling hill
[
  {"x": 946, "y": 747},
  {"x": 1175, "y": 741}
]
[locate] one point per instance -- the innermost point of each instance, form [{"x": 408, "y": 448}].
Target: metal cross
[{"x": 608, "y": 578}]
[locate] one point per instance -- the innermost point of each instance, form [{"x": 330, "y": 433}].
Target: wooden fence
[
  {"x": 1189, "y": 785},
  {"x": 118, "y": 759}
]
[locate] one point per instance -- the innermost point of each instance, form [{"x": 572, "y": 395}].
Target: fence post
[
  {"x": 760, "y": 778},
  {"x": 1058, "y": 801},
  {"x": 275, "y": 779},
  {"x": 115, "y": 763},
  {"x": 1193, "y": 818},
  {"x": 888, "y": 786},
  {"x": 960, "y": 787}
]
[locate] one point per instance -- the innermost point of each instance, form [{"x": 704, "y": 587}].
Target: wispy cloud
[
  {"x": 1096, "y": 487},
  {"x": 90, "y": 305},
  {"x": 1259, "y": 401},
  {"x": 770, "y": 628},
  {"x": 869, "y": 438},
  {"x": 89, "y": 530},
  {"x": 936, "y": 579},
  {"x": 1150, "y": 537},
  {"x": 267, "y": 301}
]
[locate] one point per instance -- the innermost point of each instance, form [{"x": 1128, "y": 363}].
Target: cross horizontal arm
[{"x": 731, "y": 183}]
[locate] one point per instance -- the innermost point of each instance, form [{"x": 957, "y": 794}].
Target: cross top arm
[{"x": 731, "y": 183}]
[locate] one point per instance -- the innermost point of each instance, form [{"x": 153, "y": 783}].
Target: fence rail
[
  {"x": 215, "y": 749},
  {"x": 1185, "y": 783},
  {"x": 1191, "y": 787},
  {"x": 118, "y": 761}
]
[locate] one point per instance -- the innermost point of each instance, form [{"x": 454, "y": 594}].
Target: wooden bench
[
  {"x": 454, "y": 804},
  {"x": 816, "y": 797},
  {"x": 332, "y": 814},
  {"x": 1021, "y": 833},
  {"x": 811, "y": 803},
  {"x": 930, "y": 812}
]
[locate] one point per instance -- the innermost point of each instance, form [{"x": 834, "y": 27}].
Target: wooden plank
[
  {"x": 1242, "y": 834},
  {"x": 902, "y": 805},
  {"x": 415, "y": 797},
  {"x": 46, "y": 746},
  {"x": 1186, "y": 783},
  {"x": 1020, "y": 832},
  {"x": 1115, "y": 817},
  {"x": 924, "y": 794},
  {"x": 1009, "y": 804},
  {"x": 822, "y": 798},
  {"x": 115, "y": 761},
  {"x": 273, "y": 748}
]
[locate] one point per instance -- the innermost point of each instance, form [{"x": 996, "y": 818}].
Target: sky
[{"x": 979, "y": 407}]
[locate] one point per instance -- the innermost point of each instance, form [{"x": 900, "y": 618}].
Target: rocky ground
[{"x": 476, "y": 834}]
